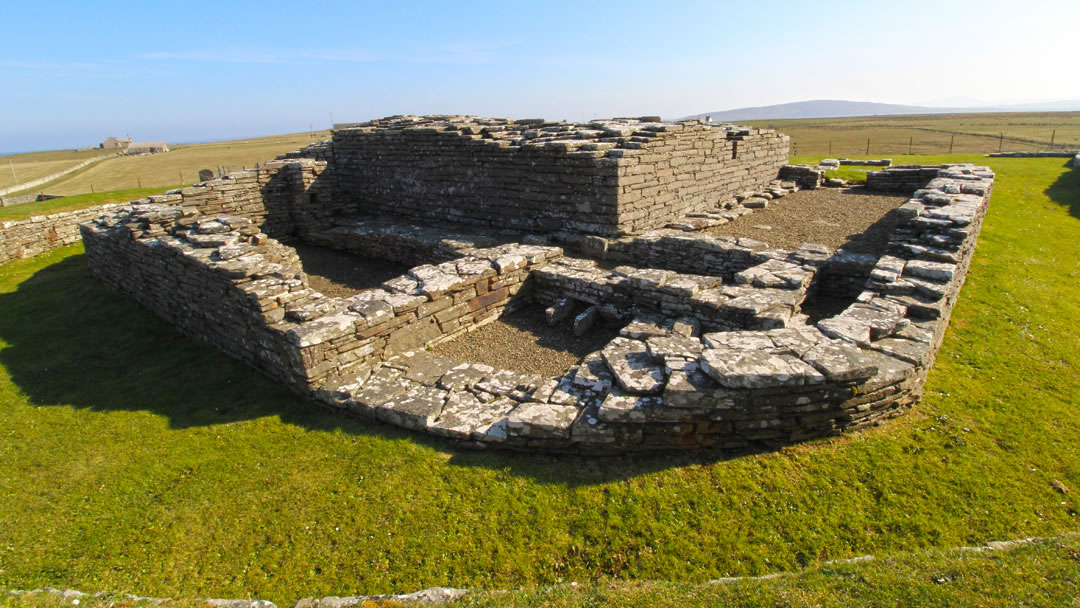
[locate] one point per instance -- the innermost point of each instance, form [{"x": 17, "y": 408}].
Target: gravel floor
[
  {"x": 522, "y": 341},
  {"x": 340, "y": 274},
  {"x": 854, "y": 219}
]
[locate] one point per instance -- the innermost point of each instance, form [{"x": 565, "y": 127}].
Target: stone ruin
[{"x": 593, "y": 221}]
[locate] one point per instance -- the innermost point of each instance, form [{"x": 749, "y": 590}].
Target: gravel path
[
  {"x": 522, "y": 341},
  {"x": 853, "y": 218},
  {"x": 339, "y": 274}
]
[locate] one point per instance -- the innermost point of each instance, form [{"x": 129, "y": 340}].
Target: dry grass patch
[{"x": 180, "y": 165}]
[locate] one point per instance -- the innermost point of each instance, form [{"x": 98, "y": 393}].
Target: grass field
[
  {"x": 1039, "y": 573},
  {"x": 930, "y": 133},
  {"x": 77, "y": 201},
  {"x": 157, "y": 170},
  {"x": 136, "y": 460},
  {"x": 21, "y": 168}
]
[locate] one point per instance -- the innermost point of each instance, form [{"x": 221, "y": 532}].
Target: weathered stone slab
[
  {"x": 851, "y": 330},
  {"x": 322, "y": 329},
  {"x": 633, "y": 368},
  {"x": 916, "y": 353},
  {"x": 619, "y": 407},
  {"x": 796, "y": 340},
  {"x": 662, "y": 347},
  {"x": 738, "y": 340},
  {"x": 641, "y": 329},
  {"x": 584, "y": 321},
  {"x": 840, "y": 361},
  {"x": 426, "y": 368},
  {"x": 502, "y": 382},
  {"x": 385, "y": 384},
  {"x": 466, "y": 417},
  {"x": 694, "y": 390},
  {"x": 561, "y": 310},
  {"x": 414, "y": 409},
  {"x": 883, "y": 322},
  {"x": 464, "y": 376},
  {"x": 756, "y": 369},
  {"x": 593, "y": 374},
  {"x": 542, "y": 420}
]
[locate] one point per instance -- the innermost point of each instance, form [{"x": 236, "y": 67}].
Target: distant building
[
  {"x": 116, "y": 143},
  {"x": 134, "y": 147},
  {"x": 147, "y": 147}
]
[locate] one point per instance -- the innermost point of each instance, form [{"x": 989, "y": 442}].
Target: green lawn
[
  {"x": 135, "y": 460},
  {"x": 71, "y": 203}
]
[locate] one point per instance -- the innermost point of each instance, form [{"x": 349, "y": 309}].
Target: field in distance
[
  {"x": 930, "y": 133},
  {"x": 180, "y": 165},
  {"x": 858, "y": 136},
  {"x": 35, "y": 165}
]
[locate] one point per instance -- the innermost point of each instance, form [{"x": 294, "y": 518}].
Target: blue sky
[{"x": 76, "y": 72}]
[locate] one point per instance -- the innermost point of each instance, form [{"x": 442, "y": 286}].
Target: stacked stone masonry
[
  {"x": 607, "y": 177},
  {"x": 714, "y": 351},
  {"x": 42, "y": 233}
]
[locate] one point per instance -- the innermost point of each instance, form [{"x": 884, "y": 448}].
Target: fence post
[
  {"x": 1001, "y": 141},
  {"x": 910, "y": 139},
  {"x": 952, "y": 139},
  {"x": 1052, "y": 136},
  {"x": 91, "y": 188},
  {"x": 181, "y": 175},
  {"x": 868, "y": 146},
  {"x": 139, "y": 179}
]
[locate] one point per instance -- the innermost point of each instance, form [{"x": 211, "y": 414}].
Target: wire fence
[{"x": 926, "y": 142}]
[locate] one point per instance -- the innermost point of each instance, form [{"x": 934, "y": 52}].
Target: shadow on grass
[
  {"x": 74, "y": 342},
  {"x": 1066, "y": 190}
]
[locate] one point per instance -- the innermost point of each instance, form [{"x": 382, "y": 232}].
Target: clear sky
[{"x": 73, "y": 73}]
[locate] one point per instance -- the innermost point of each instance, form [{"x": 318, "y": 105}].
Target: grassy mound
[{"x": 136, "y": 460}]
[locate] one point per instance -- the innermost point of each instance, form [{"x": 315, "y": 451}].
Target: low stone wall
[
  {"x": 1044, "y": 154},
  {"x": 881, "y": 162},
  {"x": 764, "y": 296},
  {"x": 218, "y": 278},
  {"x": 662, "y": 384},
  {"x": 282, "y": 198},
  {"x": 806, "y": 176},
  {"x": 42, "y": 233},
  {"x": 901, "y": 178}
]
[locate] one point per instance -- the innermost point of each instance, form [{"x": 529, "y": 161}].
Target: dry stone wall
[
  {"x": 1043, "y": 154},
  {"x": 606, "y": 177},
  {"x": 664, "y": 383},
  {"x": 220, "y": 279},
  {"x": 42, "y": 233},
  {"x": 901, "y": 178}
]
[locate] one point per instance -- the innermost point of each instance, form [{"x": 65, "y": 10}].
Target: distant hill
[
  {"x": 834, "y": 108},
  {"x": 818, "y": 108}
]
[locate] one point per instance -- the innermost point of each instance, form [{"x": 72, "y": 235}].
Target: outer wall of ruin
[{"x": 506, "y": 174}]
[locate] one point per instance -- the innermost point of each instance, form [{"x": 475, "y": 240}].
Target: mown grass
[
  {"x": 78, "y": 201},
  {"x": 930, "y": 133},
  {"x": 1045, "y": 572},
  {"x": 135, "y": 460},
  {"x": 180, "y": 165}
]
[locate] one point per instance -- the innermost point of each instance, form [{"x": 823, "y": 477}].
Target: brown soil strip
[
  {"x": 522, "y": 341},
  {"x": 854, "y": 219},
  {"x": 339, "y": 274}
]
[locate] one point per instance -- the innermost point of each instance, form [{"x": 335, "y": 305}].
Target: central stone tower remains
[{"x": 608, "y": 178}]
